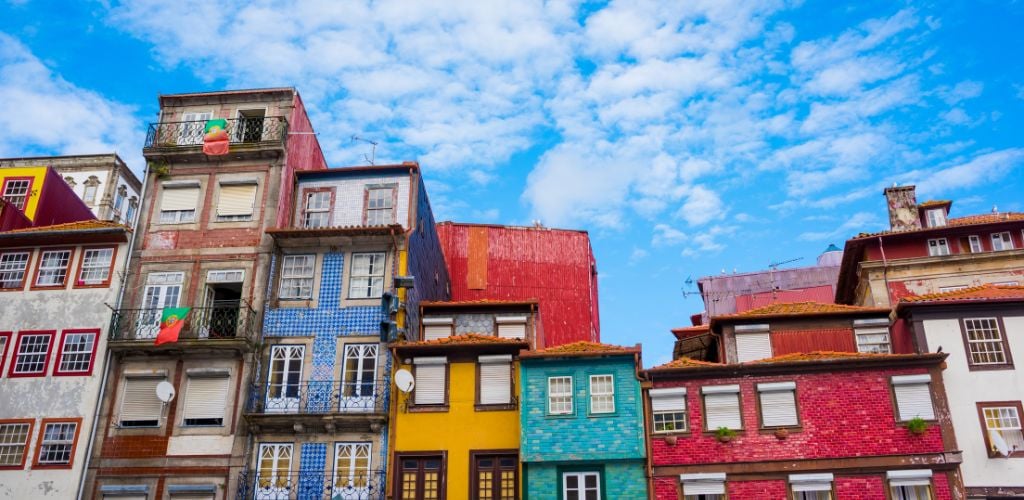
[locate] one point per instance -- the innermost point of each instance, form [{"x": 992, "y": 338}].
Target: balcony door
[
  {"x": 420, "y": 477},
  {"x": 162, "y": 290},
  {"x": 352, "y": 480},
  {"x": 190, "y": 131},
  {"x": 221, "y": 304},
  {"x": 248, "y": 125},
  {"x": 273, "y": 481},
  {"x": 285, "y": 378},
  {"x": 359, "y": 373}
]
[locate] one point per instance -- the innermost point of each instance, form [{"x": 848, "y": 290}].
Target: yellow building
[
  {"x": 22, "y": 186},
  {"x": 37, "y": 196},
  {"x": 455, "y": 434}
]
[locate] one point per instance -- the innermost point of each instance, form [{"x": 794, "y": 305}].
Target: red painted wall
[
  {"x": 819, "y": 339},
  {"x": 863, "y": 487},
  {"x": 824, "y": 294},
  {"x": 12, "y": 218},
  {"x": 58, "y": 203},
  {"x": 557, "y": 267},
  {"x": 304, "y": 153}
]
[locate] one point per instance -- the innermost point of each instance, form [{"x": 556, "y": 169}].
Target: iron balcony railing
[
  {"x": 317, "y": 397},
  {"x": 343, "y": 485},
  {"x": 240, "y": 131},
  {"x": 233, "y": 320}
]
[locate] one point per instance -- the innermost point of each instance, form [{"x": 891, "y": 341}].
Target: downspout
[
  {"x": 645, "y": 386},
  {"x": 885, "y": 273},
  {"x": 106, "y": 356}
]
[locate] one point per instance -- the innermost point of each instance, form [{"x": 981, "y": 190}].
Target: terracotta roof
[
  {"x": 464, "y": 339},
  {"x": 978, "y": 293},
  {"x": 334, "y": 231},
  {"x": 690, "y": 331},
  {"x": 72, "y": 226},
  {"x": 968, "y": 220},
  {"x": 820, "y": 356},
  {"x": 687, "y": 363},
  {"x": 582, "y": 348},
  {"x": 805, "y": 358},
  {"x": 479, "y": 302},
  {"x": 802, "y": 309},
  {"x": 934, "y": 203}
]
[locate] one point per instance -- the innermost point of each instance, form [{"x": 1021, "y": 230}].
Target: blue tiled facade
[{"x": 313, "y": 458}]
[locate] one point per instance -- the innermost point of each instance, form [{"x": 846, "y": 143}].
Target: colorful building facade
[
  {"x": 37, "y": 196},
  {"x": 582, "y": 421}
]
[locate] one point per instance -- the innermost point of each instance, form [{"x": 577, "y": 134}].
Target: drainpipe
[
  {"x": 885, "y": 273},
  {"x": 106, "y": 357}
]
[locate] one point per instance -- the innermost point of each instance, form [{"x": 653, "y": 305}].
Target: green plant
[
  {"x": 160, "y": 170},
  {"x": 724, "y": 434},
  {"x": 917, "y": 425}
]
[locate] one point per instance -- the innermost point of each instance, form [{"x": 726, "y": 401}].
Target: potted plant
[
  {"x": 781, "y": 433},
  {"x": 917, "y": 426},
  {"x": 671, "y": 440},
  {"x": 724, "y": 434}
]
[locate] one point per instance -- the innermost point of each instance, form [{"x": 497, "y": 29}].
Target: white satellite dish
[
  {"x": 165, "y": 391},
  {"x": 999, "y": 443},
  {"x": 404, "y": 380}
]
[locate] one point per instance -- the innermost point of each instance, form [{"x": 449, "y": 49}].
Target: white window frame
[
  {"x": 438, "y": 366},
  {"x": 236, "y": 214},
  {"x": 974, "y": 242},
  {"x": 371, "y": 284},
  {"x": 384, "y": 214},
  {"x": 753, "y": 342},
  {"x": 561, "y": 402},
  {"x": 322, "y": 213},
  {"x": 35, "y": 357},
  {"x": 811, "y": 483},
  {"x": 864, "y": 345},
  {"x": 63, "y": 440},
  {"x": 909, "y": 386},
  {"x": 581, "y": 490},
  {"x": 1005, "y": 241},
  {"x": 87, "y": 197},
  {"x": 511, "y": 327},
  {"x": 668, "y": 405},
  {"x": 147, "y": 390},
  {"x": 72, "y": 359},
  {"x": 938, "y": 247},
  {"x": 51, "y": 271},
  {"x": 936, "y": 217},
  {"x": 201, "y": 409},
  {"x": 602, "y": 402},
  {"x": 21, "y": 197},
  {"x": 8, "y": 269},
  {"x": 438, "y": 328},
  {"x": 179, "y": 215},
  {"x": 352, "y": 475},
  {"x": 91, "y": 265},
  {"x": 301, "y": 281},
  {"x": 10, "y": 450}
]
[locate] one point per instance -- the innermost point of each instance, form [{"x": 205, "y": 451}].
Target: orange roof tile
[
  {"x": 967, "y": 220},
  {"x": 73, "y": 226},
  {"x": 934, "y": 203},
  {"x": 820, "y": 356},
  {"x": 802, "y": 308},
  {"x": 978, "y": 293},
  {"x": 690, "y": 331},
  {"x": 794, "y": 358},
  {"x": 685, "y": 362},
  {"x": 582, "y": 348},
  {"x": 464, "y": 339}
]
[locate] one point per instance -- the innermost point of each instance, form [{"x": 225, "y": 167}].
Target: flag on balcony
[
  {"x": 215, "y": 137},
  {"x": 170, "y": 324}
]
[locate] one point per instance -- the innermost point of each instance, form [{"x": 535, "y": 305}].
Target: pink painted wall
[
  {"x": 58, "y": 203},
  {"x": 304, "y": 153}
]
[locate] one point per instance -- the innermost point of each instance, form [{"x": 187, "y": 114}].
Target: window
[
  {"x": 420, "y": 476},
  {"x": 975, "y": 243},
  {"x": 76, "y": 353},
  {"x": 1001, "y": 422},
  {"x": 986, "y": 342},
  {"x": 352, "y": 477},
  {"x": 874, "y": 340},
  {"x": 380, "y": 206},
  {"x": 722, "y": 407},
  {"x": 318, "y": 209},
  {"x": 12, "y": 270},
  {"x": 811, "y": 486},
  {"x": 937, "y": 247},
  {"x": 431, "y": 384},
  {"x": 57, "y": 441},
  {"x": 706, "y": 486},
  {"x": 1001, "y": 241},
  {"x": 179, "y": 203},
  {"x": 139, "y": 404},
  {"x": 5, "y": 340},
  {"x": 205, "y": 398},
  {"x": 53, "y": 268},
  {"x": 129, "y": 216},
  {"x": 236, "y": 201},
  {"x": 31, "y": 354},
  {"x": 89, "y": 195},
  {"x": 602, "y": 394},
  {"x": 778, "y": 404},
  {"x": 668, "y": 410},
  {"x": 494, "y": 476},
  {"x": 511, "y": 327},
  {"x": 367, "y": 279},
  {"x": 913, "y": 397},
  {"x": 119, "y": 199},
  {"x": 559, "y": 395},
  {"x": 273, "y": 471},
  {"x": 581, "y": 485},
  {"x": 914, "y": 484},
  {"x": 14, "y": 436},
  {"x": 936, "y": 217},
  {"x": 752, "y": 343},
  {"x": 495, "y": 372},
  {"x": 438, "y": 328},
  {"x": 297, "y": 276},
  {"x": 16, "y": 192},
  {"x": 95, "y": 266}
]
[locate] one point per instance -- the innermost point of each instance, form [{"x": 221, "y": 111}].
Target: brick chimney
[{"x": 903, "y": 213}]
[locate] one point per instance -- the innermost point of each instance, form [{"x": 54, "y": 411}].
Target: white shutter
[
  {"x": 180, "y": 198},
  {"x": 139, "y": 401},
  {"x": 206, "y": 397},
  {"x": 236, "y": 199},
  {"x": 668, "y": 399},
  {"x": 753, "y": 346},
  {"x": 495, "y": 380},
  {"x": 703, "y": 484},
  {"x": 811, "y": 482},
  {"x": 434, "y": 332},
  {"x": 913, "y": 477},
  {"x": 913, "y": 397},
  {"x": 109, "y": 496},
  {"x": 778, "y": 404},
  {"x": 430, "y": 381},
  {"x": 722, "y": 407},
  {"x": 512, "y": 330}
]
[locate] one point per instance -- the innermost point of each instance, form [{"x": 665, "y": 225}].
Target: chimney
[{"x": 903, "y": 214}]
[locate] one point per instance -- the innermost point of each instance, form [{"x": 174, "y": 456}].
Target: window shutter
[
  {"x": 811, "y": 482},
  {"x": 913, "y": 397},
  {"x": 139, "y": 401},
  {"x": 437, "y": 328},
  {"x": 912, "y": 477},
  {"x": 778, "y": 404},
  {"x": 430, "y": 382},
  {"x": 236, "y": 199},
  {"x": 206, "y": 397},
  {"x": 495, "y": 380},
  {"x": 703, "y": 484},
  {"x": 512, "y": 330},
  {"x": 753, "y": 346},
  {"x": 722, "y": 406},
  {"x": 668, "y": 399},
  {"x": 180, "y": 198}
]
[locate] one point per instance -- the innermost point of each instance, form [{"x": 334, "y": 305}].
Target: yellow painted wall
[
  {"x": 38, "y": 175},
  {"x": 458, "y": 430}
]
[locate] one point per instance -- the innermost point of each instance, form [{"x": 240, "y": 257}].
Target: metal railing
[
  {"x": 345, "y": 485},
  {"x": 240, "y": 131},
  {"x": 236, "y": 320},
  {"x": 317, "y": 397}
]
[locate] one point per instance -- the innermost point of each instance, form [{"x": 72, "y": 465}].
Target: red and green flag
[
  {"x": 215, "y": 137},
  {"x": 170, "y": 324}
]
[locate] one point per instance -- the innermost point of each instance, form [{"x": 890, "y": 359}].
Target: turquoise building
[{"x": 582, "y": 423}]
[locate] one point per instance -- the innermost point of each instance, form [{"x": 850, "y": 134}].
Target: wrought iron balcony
[
  {"x": 249, "y": 131},
  {"x": 345, "y": 485},
  {"x": 233, "y": 320},
  {"x": 317, "y": 397}
]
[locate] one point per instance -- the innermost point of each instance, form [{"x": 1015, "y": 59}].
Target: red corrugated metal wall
[
  {"x": 556, "y": 267},
  {"x": 824, "y": 294},
  {"x": 818, "y": 339}
]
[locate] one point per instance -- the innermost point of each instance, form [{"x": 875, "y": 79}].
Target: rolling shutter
[
  {"x": 703, "y": 484},
  {"x": 722, "y": 406},
  {"x": 206, "y": 397},
  {"x": 236, "y": 199},
  {"x": 437, "y": 328},
  {"x": 668, "y": 399},
  {"x": 811, "y": 482},
  {"x": 139, "y": 401},
  {"x": 180, "y": 198},
  {"x": 430, "y": 380},
  {"x": 753, "y": 346},
  {"x": 913, "y": 477},
  {"x": 511, "y": 327},
  {"x": 913, "y": 397},
  {"x": 496, "y": 379},
  {"x": 778, "y": 404}
]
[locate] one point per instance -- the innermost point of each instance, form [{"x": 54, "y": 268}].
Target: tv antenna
[
  {"x": 772, "y": 267},
  {"x": 373, "y": 149},
  {"x": 689, "y": 284}
]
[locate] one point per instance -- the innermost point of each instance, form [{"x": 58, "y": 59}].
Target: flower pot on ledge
[
  {"x": 724, "y": 439},
  {"x": 671, "y": 440},
  {"x": 782, "y": 433}
]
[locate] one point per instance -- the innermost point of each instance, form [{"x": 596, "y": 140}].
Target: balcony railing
[
  {"x": 240, "y": 131},
  {"x": 317, "y": 397},
  {"x": 345, "y": 485},
  {"x": 236, "y": 320}
]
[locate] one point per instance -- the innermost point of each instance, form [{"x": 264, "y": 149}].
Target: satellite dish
[
  {"x": 999, "y": 443},
  {"x": 404, "y": 380},
  {"x": 165, "y": 391}
]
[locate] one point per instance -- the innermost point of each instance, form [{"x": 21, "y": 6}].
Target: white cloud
[
  {"x": 665, "y": 235},
  {"x": 637, "y": 255},
  {"x": 702, "y": 206},
  {"x": 858, "y": 222},
  {"x": 981, "y": 170}
]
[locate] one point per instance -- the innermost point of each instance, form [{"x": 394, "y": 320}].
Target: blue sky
[{"x": 687, "y": 137}]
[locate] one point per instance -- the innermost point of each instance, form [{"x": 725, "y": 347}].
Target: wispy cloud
[{"x": 860, "y": 221}]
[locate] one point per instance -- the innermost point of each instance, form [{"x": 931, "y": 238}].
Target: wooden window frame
[
  {"x": 590, "y": 395},
  {"x": 394, "y": 201},
  {"x": 46, "y": 359},
  {"x": 511, "y": 405},
  {"x": 981, "y": 405},
  {"x": 39, "y": 264},
  {"x": 28, "y": 191},
  {"x": 572, "y": 396},
  {"x": 796, "y": 406},
  {"x": 888, "y": 488},
  {"x": 57, "y": 372},
  {"x": 306, "y": 191},
  {"x": 9, "y": 336},
  {"x": 442, "y": 472},
  {"x": 26, "y": 272},
  {"x": 28, "y": 441},
  {"x": 474, "y": 455},
  {"x": 704, "y": 410},
  {"x": 1007, "y": 355},
  {"x": 74, "y": 443},
  {"x": 81, "y": 263},
  {"x": 443, "y": 407}
]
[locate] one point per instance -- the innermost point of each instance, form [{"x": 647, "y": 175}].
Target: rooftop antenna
[
  {"x": 689, "y": 284},
  {"x": 774, "y": 266},
  {"x": 373, "y": 149}
]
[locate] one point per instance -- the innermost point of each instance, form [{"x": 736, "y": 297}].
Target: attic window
[{"x": 936, "y": 217}]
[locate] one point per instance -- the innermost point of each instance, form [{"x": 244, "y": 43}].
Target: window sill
[
  {"x": 602, "y": 415},
  {"x": 993, "y": 367},
  {"x": 50, "y": 466},
  {"x": 664, "y": 434},
  {"x": 41, "y": 288},
  {"x": 560, "y": 415},
  {"x": 507, "y": 407},
  {"x": 428, "y": 409}
]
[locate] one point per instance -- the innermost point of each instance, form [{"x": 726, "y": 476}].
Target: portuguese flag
[
  {"x": 170, "y": 324},
  {"x": 215, "y": 137}
]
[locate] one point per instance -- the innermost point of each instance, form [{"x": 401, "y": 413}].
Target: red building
[{"x": 554, "y": 266}]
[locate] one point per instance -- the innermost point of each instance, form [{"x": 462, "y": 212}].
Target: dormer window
[
  {"x": 936, "y": 217},
  {"x": 379, "y": 208},
  {"x": 1001, "y": 241},
  {"x": 938, "y": 246}
]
